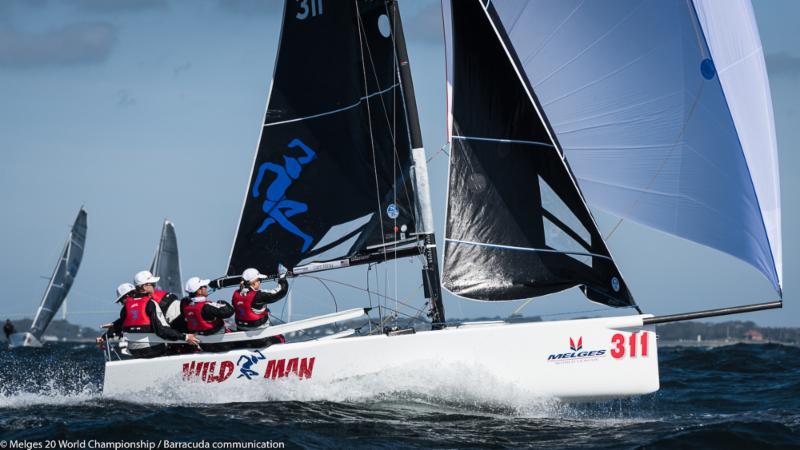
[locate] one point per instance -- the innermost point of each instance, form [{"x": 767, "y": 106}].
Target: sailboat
[
  {"x": 340, "y": 180},
  {"x": 58, "y": 287},
  {"x": 166, "y": 264}
]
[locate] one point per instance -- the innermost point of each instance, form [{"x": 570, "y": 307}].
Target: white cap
[
  {"x": 123, "y": 290},
  {"x": 195, "y": 283},
  {"x": 251, "y": 274},
  {"x": 144, "y": 277}
]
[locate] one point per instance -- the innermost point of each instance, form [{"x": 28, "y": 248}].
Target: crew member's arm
[
  {"x": 216, "y": 310},
  {"x": 115, "y": 330},
  {"x": 264, "y": 298},
  {"x": 160, "y": 325}
]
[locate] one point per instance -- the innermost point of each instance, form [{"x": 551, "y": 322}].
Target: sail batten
[{"x": 337, "y": 110}]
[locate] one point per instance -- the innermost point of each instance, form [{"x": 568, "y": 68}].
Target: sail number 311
[
  {"x": 619, "y": 349},
  {"x": 308, "y": 7}
]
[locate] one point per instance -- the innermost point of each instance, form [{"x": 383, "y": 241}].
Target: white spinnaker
[
  {"x": 651, "y": 133},
  {"x": 732, "y": 35}
]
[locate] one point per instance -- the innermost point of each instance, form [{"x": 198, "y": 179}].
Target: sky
[{"x": 142, "y": 110}]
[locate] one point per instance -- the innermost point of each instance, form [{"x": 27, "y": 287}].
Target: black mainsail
[
  {"x": 63, "y": 276},
  {"x": 166, "y": 264},
  {"x": 517, "y": 225},
  {"x": 335, "y": 177}
]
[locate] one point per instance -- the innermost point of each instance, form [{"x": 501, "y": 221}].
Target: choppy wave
[{"x": 742, "y": 395}]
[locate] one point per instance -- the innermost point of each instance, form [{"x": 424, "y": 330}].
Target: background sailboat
[
  {"x": 166, "y": 263},
  {"x": 60, "y": 283}
]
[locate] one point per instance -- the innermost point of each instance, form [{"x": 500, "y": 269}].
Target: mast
[{"x": 430, "y": 273}]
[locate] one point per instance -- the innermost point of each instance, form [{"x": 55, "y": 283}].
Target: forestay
[
  {"x": 331, "y": 173},
  {"x": 63, "y": 276},
  {"x": 664, "y": 113},
  {"x": 517, "y": 226}
]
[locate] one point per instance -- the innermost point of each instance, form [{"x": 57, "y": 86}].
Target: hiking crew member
[
  {"x": 114, "y": 329},
  {"x": 141, "y": 313},
  {"x": 8, "y": 328},
  {"x": 250, "y": 304},
  {"x": 170, "y": 303},
  {"x": 202, "y": 316}
]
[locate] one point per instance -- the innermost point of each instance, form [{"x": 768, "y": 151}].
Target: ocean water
[{"x": 739, "y": 396}]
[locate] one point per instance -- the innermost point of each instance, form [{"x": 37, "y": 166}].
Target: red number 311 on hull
[{"x": 618, "y": 348}]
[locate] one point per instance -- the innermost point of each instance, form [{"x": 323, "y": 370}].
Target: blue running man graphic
[
  {"x": 276, "y": 205},
  {"x": 246, "y": 362}
]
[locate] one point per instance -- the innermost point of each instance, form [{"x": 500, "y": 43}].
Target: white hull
[
  {"x": 23, "y": 340},
  {"x": 611, "y": 358}
]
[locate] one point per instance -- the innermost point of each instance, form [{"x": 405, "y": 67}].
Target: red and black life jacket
[
  {"x": 136, "y": 318},
  {"x": 193, "y": 314},
  {"x": 243, "y": 308},
  {"x": 159, "y": 295}
]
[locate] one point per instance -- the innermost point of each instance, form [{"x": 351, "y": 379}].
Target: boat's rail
[{"x": 239, "y": 336}]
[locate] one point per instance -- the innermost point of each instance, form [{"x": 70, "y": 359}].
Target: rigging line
[
  {"x": 377, "y": 79},
  {"x": 502, "y": 141},
  {"x": 438, "y": 152},
  {"x": 528, "y": 249},
  {"x": 369, "y": 295},
  {"x": 393, "y": 137},
  {"x": 583, "y": 312},
  {"x": 661, "y": 166},
  {"x": 397, "y": 312},
  {"x": 392, "y": 125},
  {"x": 329, "y": 280},
  {"x": 369, "y": 123},
  {"x": 365, "y": 98}
]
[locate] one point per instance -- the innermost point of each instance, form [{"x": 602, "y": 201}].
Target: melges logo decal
[{"x": 576, "y": 353}]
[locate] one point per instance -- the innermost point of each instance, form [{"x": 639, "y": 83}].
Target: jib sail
[
  {"x": 517, "y": 225},
  {"x": 63, "y": 276},
  {"x": 166, "y": 264},
  {"x": 331, "y": 176}
]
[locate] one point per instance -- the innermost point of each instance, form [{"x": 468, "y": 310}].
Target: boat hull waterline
[
  {"x": 25, "y": 339},
  {"x": 572, "y": 360}
]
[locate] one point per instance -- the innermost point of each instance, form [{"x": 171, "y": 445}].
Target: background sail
[
  {"x": 663, "y": 110},
  {"x": 517, "y": 226},
  {"x": 166, "y": 263},
  {"x": 331, "y": 174},
  {"x": 63, "y": 276}
]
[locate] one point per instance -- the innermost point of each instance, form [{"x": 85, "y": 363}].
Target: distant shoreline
[{"x": 713, "y": 343}]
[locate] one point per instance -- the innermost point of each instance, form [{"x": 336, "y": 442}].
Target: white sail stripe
[
  {"x": 345, "y": 108},
  {"x": 505, "y": 141},
  {"x": 527, "y": 249}
]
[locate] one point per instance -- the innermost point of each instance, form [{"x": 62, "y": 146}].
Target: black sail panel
[
  {"x": 332, "y": 165},
  {"x": 517, "y": 226}
]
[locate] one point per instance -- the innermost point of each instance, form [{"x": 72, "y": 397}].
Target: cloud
[
  {"x": 426, "y": 25},
  {"x": 112, "y": 6},
  {"x": 124, "y": 98},
  {"x": 181, "y": 68},
  {"x": 76, "y": 44},
  {"x": 251, "y": 7},
  {"x": 783, "y": 64}
]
